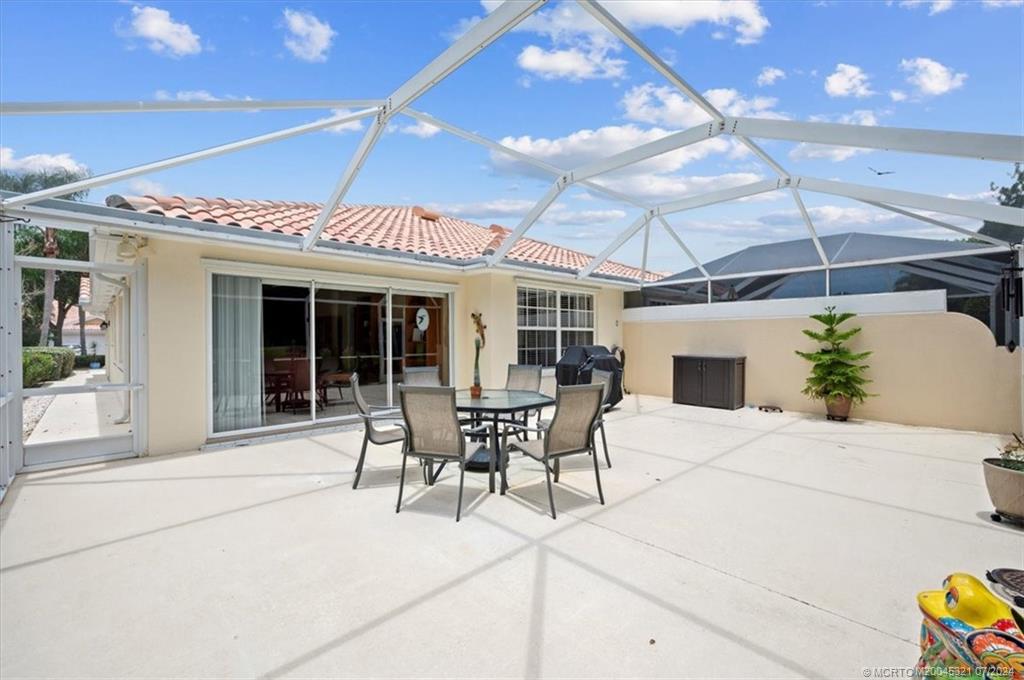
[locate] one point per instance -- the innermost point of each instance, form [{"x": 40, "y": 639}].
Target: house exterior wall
[
  {"x": 935, "y": 369},
  {"x": 177, "y": 389}
]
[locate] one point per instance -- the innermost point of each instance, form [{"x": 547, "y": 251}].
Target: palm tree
[{"x": 26, "y": 182}]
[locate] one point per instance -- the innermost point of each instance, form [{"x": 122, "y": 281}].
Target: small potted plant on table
[
  {"x": 837, "y": 376},
  {"x": 1004, "y": 477}
]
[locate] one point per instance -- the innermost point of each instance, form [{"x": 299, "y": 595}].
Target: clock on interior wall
[{"x": 422, "y": 319}]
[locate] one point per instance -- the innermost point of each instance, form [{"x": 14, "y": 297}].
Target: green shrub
[
  {"x": 61, "y": 362},
  {"x": 84, "y": 361},
  {"x": 37, "y": 367}
]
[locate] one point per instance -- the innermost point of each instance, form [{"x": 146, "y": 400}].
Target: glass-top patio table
[{"x": 496, "y": 407}]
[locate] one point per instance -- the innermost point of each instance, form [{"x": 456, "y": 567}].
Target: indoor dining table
[{"x": 497, "y": 407}]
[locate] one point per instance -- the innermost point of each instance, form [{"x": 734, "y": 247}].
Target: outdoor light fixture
[{"x": 127, "y": 248}]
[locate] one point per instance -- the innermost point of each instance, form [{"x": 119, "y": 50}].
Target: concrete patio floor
[{"x": 734, "y": 544}]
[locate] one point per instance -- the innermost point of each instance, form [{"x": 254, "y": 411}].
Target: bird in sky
[{"x": 881, "y": 172}]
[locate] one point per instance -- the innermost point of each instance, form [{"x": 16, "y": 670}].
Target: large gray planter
[{"x": 1006, "y": 489}]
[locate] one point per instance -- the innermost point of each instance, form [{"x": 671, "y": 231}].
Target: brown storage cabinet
[{"x": 709, "y": 380}]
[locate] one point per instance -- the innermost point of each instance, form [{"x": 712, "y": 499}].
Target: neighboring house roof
[
  {"x": 402, "y": 228},
  {"x": 847, "y": 247}
]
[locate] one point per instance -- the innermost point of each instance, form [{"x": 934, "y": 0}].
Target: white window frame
[
  {"x": 559, "y": 291},
  {"x": 313, "y": 278}
]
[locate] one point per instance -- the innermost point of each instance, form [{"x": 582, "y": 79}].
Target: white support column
[
  {"x": 174, "y": 161},
  {"x": 615, "y": 245},
  {"x": 647, "y": 245},
  {"x": 951, "y": 206},
  {"x": 939, "y": 223},
  {"x": 355, "y": 164},
  {"x": 679, "y": 242},
  {"x": 810, "y": 226},
  {"x": 524, "y": 225},
  {"x": 990, "y": 147}
]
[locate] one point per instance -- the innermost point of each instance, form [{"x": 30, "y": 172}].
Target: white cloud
[
  {"x": 848, "y": 81},
  {"x": 419, "y": 129},
  {"x": 930, "y": 78},
  {"x": 665, "y": 105},
  {"x": 195, "y": 96},
  {"x": 996, "y": 4},
  {"x": 39, "y": 162},
  {"x": 559, "y": 215},
  {"x": 342, "y": 128},
  {"x": 584, "y": 146},
  {"x": 573, "y": 63},
  {"x": 162, "y": 34},
  {"x": 143, "y": 186},
  {"x": 460, "y": 28},
  {"x": 661, "y": 188},
  {"x": 768, "y": 76},
  {"x": 309, "y": 39},
  {"x": 807, "y": 151},
  {"x": 582, "y": 48},
  {"x": 897, "y": 95},
  {"x": 934, "y": 6}
]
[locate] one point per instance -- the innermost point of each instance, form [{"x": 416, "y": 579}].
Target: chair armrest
[
  {"x": 522, "y": 428},
  {"x": 389, "y": 409},
  {"x": 479, "y": 429},
  {"x": 395, "y": 417}
]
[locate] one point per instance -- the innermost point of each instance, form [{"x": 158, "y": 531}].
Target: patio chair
[
  {"x": 433, "y": 433},
  {"x": 603, "y": 378},
  {"x": 524, "y": 377},
  {"x": 376, "y": 427},
  {"x": 571, "y": 431},
  {"x": 427, "y": 376}
]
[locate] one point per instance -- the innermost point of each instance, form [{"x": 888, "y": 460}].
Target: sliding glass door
[{"x": 283, "y": 353}]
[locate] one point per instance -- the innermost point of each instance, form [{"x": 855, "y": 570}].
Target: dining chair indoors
[
  {"x": 434, "y": 434},
  {"x": 570, "y": 432}
]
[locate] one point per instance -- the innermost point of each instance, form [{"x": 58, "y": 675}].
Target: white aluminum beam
[
  {"x": 597, "y": 261},
  {"x": 985, "y": 250},
  {"x": 810, "y": 226},
  {"x": 470, "y": 43},
  {"x": 524, "y": 225},
  {"x": 647, "y": 245},
  {"x": 668, "y": 143},
  {"x": 679, "y": 242},
  {"x": 940, "y": 223},
  {"x": 355, "y": 164},
  {"x": 659, "y": 65},
  {"x": 993, "y": 147},
  {"x": 174, "y": 161},
  {"x": 63, "y": 108},
  {"x": 909, "y": 199},
  {"x": 478, "y": 37},
  {"x": 720, "y": 196},
  {"x": 518, "y": 155}
]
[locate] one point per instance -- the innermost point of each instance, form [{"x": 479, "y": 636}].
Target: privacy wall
[{"x": 937, "y": 369}]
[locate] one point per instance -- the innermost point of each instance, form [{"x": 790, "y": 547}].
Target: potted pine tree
[
  {"x": 1004, "y": 477},
  {"x": 837, "y": 376}
]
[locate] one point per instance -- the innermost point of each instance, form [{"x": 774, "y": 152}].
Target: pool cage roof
[{"x": 985, "y": 146}]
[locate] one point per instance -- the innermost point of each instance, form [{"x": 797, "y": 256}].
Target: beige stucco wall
[
  {"x": 937, "y": 369},
  {"x": 177, "y": 403}
]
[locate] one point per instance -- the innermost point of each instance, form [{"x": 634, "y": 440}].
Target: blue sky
[{"x": 558, "y": 87}]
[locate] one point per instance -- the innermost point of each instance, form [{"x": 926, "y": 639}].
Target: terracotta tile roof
[{"x": 409, "y": 229}]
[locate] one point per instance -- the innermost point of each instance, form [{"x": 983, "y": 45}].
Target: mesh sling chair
[
  {"x": 525, "y": 377},
  {"x": 379, "y": 425},
  {"x": 433, "y": 433},
  {"x": 571, "y": 432},
  {"x": 429, "y": 376},
  {"x": 603, "y": 378}
]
